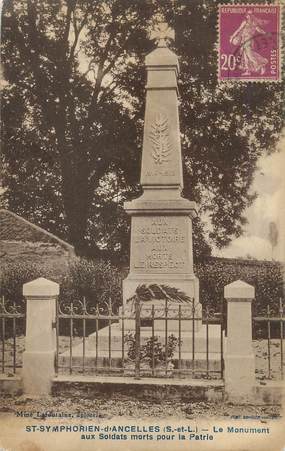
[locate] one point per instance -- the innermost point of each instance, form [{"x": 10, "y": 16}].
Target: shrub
[
  {"x": 97, "y": 281},
  {"x": 266, "y": 277},
  {"x": 14, "y": 275},
  {"x": 152, "y": 350}
]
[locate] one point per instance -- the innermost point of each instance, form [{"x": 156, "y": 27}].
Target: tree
[
  {"x": 67, "y": 129},
  {"x": 73, "y": 118}
]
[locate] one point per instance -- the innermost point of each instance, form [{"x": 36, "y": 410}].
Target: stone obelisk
[{"x": 161, "y": 220}]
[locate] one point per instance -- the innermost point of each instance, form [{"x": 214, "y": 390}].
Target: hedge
[
  {"x": 214, "y": 273},
  {"x": 99, "y": 280}
]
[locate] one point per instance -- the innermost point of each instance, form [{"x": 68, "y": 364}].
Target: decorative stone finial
[
  {"x": 161, "y": 33},
  {"x": 40, "y": 287},
  {"x": 239, "y": 290}
]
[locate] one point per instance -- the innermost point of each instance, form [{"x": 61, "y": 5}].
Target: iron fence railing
[
  {"x": 11, "y": 315},
  {"x": 271, "y": 326},
  {"x": 79, "y": 326},
  {"x": 140, "y": 340}
]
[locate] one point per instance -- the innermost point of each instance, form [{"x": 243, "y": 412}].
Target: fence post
[
  {"x": 40, "y": 341},
  {"x": 138, "y": 337},
  {"x": 239, "y": 355}
]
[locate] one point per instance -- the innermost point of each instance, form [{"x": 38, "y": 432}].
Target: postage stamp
[{"x": 249, "y": 43}]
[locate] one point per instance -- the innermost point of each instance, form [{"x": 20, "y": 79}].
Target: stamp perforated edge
[{"x": 281, "y": 51}]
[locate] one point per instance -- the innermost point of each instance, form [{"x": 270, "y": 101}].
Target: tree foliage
[
  {"x": 226, "y": 127},
  {"x": 73, "y": 108},
  {"x": 67, "y": 127}
]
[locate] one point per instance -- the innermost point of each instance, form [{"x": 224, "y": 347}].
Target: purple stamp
[{"x": 249, "y": 43}]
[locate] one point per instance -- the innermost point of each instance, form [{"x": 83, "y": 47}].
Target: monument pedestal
[{"x": 161, "y": 246}]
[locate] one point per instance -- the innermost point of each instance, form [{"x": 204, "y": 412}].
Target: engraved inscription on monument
[{"x": 159, "y": 244}]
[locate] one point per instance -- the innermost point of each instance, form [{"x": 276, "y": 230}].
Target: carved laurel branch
[{"x": 159, "y": 136}]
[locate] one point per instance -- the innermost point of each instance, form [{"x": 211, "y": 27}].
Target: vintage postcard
[{"x": 142, "y": 225}]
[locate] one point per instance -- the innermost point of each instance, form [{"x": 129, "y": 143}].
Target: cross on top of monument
[{"x": 161, "y": 33}]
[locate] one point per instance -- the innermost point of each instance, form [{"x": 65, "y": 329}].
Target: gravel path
[{"x": 123, "y": 406}]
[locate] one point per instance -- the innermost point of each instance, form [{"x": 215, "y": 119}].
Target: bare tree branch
[{"x": 77, "y": 31}]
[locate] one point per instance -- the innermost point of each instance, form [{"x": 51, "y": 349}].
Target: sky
[{"x": 269, "y": 183}]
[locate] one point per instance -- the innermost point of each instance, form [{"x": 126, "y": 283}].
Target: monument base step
[
  {"x": 104, "y": 361},
  {"x": 200, "y": 340}
]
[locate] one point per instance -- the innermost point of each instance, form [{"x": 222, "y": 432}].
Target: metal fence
[
  {"x": 272, "y": 352},
  {"x": 140, "y": 340},
  {"x": 129, "y": 342},
  {"x": 12, "y": 319}
]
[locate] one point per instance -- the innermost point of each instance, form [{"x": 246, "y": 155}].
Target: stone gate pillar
[
  {"x": 239, "y": 355},
  {"x": 40, "y": 340}
]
